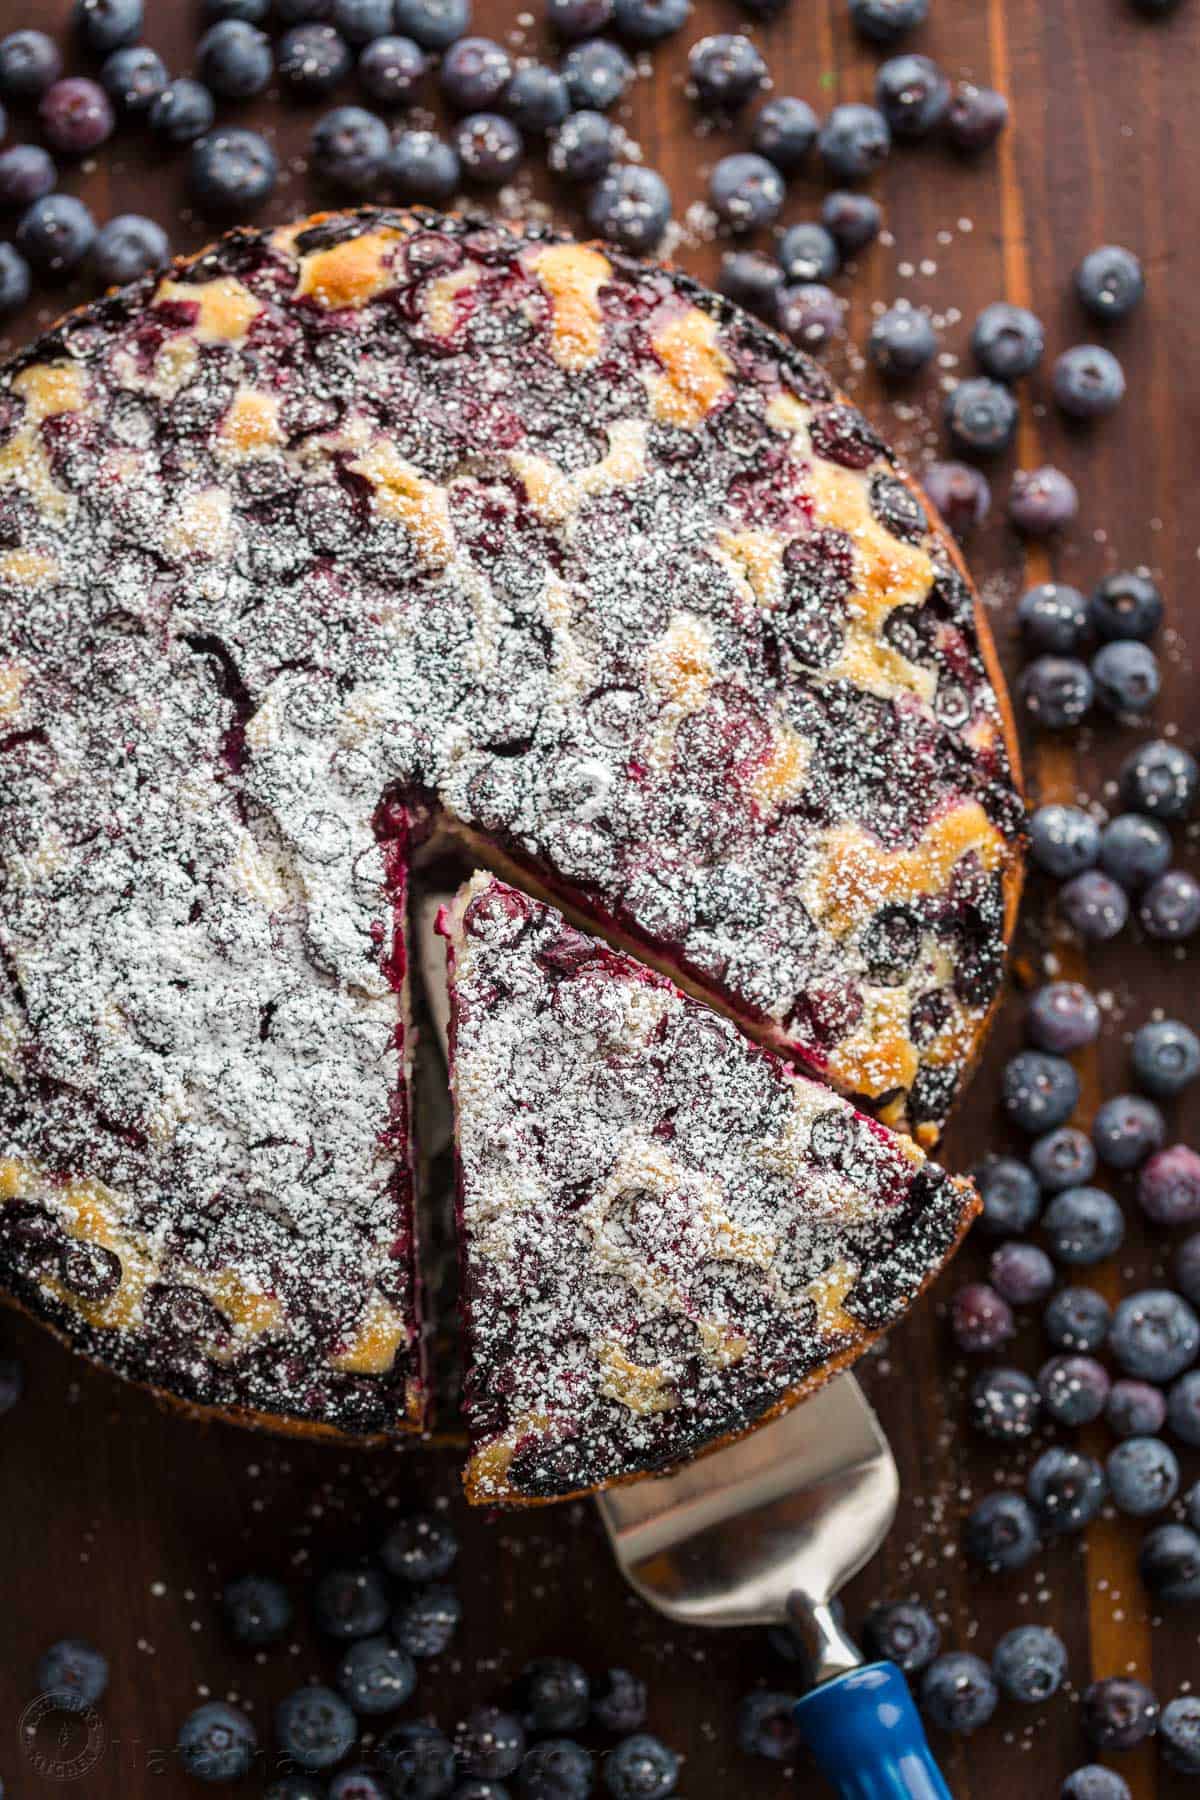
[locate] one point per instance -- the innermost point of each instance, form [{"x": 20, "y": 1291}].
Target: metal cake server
[{"x": 765, "y": 1532}]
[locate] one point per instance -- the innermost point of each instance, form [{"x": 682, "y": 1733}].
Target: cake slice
[{"x": 666, "y": 1233}]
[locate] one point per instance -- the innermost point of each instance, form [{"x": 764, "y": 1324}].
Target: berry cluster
[{"x": 1114, "y": 628}]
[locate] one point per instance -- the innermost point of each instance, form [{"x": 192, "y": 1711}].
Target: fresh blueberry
[
  {"x": 75, "y": 1673},
  {"x": 746, "y": 191},
  {"x": 554, "y": 1695},
  {"x": 375, "y": 1676},
  {"x": 1169, "y": 1564},
  {"x": 1073, "y": 1389},
  {"x": 1160, "y": 778},
  {"x": 234, "y": 59},
  {"x": 1063, "y": 1017},
  {"x": 1191, "y": 1507},
  {"x": 1143, "y": 1476},
  {"x": 1063, "y": 840},
  {"x": 1170, "y": 907},
  {"x": 16, "y": 281},
  {"x": 418, "y": 1761},
  {"x": 650, "y": 21},
  {"x": 29, "y": 62},
  {"x": 726, "y": 70},
  {"x": 1001, "y": 1532},
  {"x": 1119, "y": 1714},
  {"x": 134, "y": 78},
  {"x": 1065, "y": 1489},
  {"x": 1179, "y": 1733},
  {"x": 1183, "y": 1408},
  {"x": 232, "y": 171},
  {"x": 976, "y": 117},
  {"x": 1007, "y": 341},
  {"x": 362, "y": 21},
  {"x": 1042, "y": 501},
  {"x": 76, "y": 115},
  {"x": 302, "y": 12},
  {"x": 360, "y": 1783},
  {"x": 597, "y": 74},
  {"x": 903, "y": 1632},
  {"x": 853, "y": 141},
  {"x": 1039, "y": 1091},
  {"x": 489, "y": 148},
  {"x": 1063, "y": 1158},
  {"x": 981, "y": 416},
  {"x": 556, "y": 1769},
  {"x": 434, "y": 24},
  {"x": 1135, "y": 1409},
  {"x": 490, "y": 1742},
  {"x": 810, "y": 314},
  {"x": 27, "y": 173},
  {"x": 766, "y": 1726},
  {"x": 257, "y": 1609},
  {"x": 957, "y": 1692},
  {"x": 853, "y": 220},
  {"x": 1094, "y": 1782},
  {"x": 1155, "y": 1334},
  {"x": 1187, "y": 1269},
  {"x": 350, "y": 1603},
  {"x": 55, "y": 234},
  {"x": 536, "y": 99},
  {"x": 391, "y": 69},
  {"x": 1094, "y": 906},
  {"x": 585, "y": 147},
  {"x": 1083, "y": 1226},
  {"x": 216, "y": 1743},
  {"x": 475, "y": 72},
  {"x": 618, "y": 1701},
  {"x": 1088, "y": 381},
  {"x": 1057, "y": 691},
  {"x": 420, "y": 1548},
  {"x": 887, "y": 21},
  {"x": 747, "y": 277},
  {"x": 425, "y": 1622},
  {"x": 573, "y": 19},
  {"x": 422, "y": 167},
  {"x": 1004, "y": 1404},
  {"x": 1053, "y": 618},
  {"x": 912, "y": 94},
  {"x": 1126, "y": 1130},
  {"x": 106, "y": 25},
  {"x": 807, "y": 252},
  {"x": 1010, "y": 1194},
  {"x": 980, "y": 1318},
  {"x": 1030, "y": 1663},
  {"x": 183, "y": 112},
  {"x": 315, "y": 1727},
  {"x": 1021, "y": 1273},
  {"x": 1109, "y": 282},
  {"x": 128, "y": 246},
  {"x": 902, "y": 341},
  {"x": 1126, "y": 605},
  {"x": 631, "y": 207},
  {"x": 1077, "y": 1318},
  {"x": 641, "y": 1768},
  {"x": 1126, "y": 677},
  {"x": 960, "y": 493},
  {"x": 1134, "y": 849},
  {"x": 784, "y": 132},
  {"x": 349, "y": 148},
  {"x": 312, "y": 60}
]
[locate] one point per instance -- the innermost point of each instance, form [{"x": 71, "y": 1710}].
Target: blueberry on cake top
[
  {"x": 340, "y": 538},
  {"x": 666, "y": 1233}
]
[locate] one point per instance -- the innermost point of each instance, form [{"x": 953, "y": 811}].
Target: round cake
[{"x": 343, "y": 542}]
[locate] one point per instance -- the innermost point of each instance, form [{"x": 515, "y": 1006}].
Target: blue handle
[{"x": 868, "y": 1737}]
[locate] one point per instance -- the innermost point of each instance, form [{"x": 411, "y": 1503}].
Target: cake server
[{"x": 765, "y": 1532}]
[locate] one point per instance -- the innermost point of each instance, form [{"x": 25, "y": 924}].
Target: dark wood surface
[{"x": 120, "y": 1522}]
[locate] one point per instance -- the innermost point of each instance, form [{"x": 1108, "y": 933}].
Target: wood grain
[{"x": 122, "y": 1521}]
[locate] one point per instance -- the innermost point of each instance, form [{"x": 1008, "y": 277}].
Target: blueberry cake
[
  {"x": 666, "y": 1233},
  {"x": 338, "y": 543}
]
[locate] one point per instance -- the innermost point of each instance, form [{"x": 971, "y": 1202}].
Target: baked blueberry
[
  {"x": 216, "y": 1743},
  {"x": 1010, "y": 1195},
  {"x": 106, "y": 25},
  {"x": 257, "y": 1609},
  {"x": 312, "y": 60},
  {"x": 1066, "y": 1490},
  {"x": 1057, "y": 692},
  {"x": 391, "y": 69},
  {"x": 490, "y": 1742},
  {"x": 726, "y": 70},
  {"x": 903, "y": 1632},
  {"x": 597, "y": 74},
  {"x": 980, "y": 1318},
  {"x": 1077, "y": 1318},
  {"x": 1062, "y": 1017},
  {"x": 1042, "y": 501},
  {"x": 1088, "y": 381},
  {"x": 1155, "y": 1334},
  {"x": 29, "y": 63},
  {"x": 912, "y": 94},
  {"x": 1162, "y": 779},
  {"x": 1179, "y": 1733},
  {"x": 650, "y": 21},
  {"x": 640, "y": 1768},
  {"x": 16, "y": 280},
  {"x": 434, "y": 24},
  {"x": 350, "y": 1603},
  {"x": 554, "y": 1694},
  {"x": 1110, "y": 282},
  {"x": 746, "y": 191},
  {"x": 1135, "y": 1409},
  {"x": 421, "y": 166},
  {"x": 853, "y": 141},
  {"x": 536, "y": 99},
  {"x": 1119, "y": 1713},
  {"x": 349, "y": 148},
  {"x": 1126, "y": 677},
  {"x": 957, "y": 1692},
  {"x": 975, "y": 117},
  {"x": 1170, "y": 907},
  {"x": 902, "y": 342},
  {"x": 133, "y": 78},
  {"x": 748, "y": 277},
  {"x": 489, "y": 148},
  {"x": 76, "y": 115},
  {"x": 960, "y": 493},
  {"x": 1169, "y": 1564},
  {"x": 418, "y": 1760},
  {"x": 1063, "y": 1158},
  {"x": 1030, "y": 1663},
  {"x": 1001, "y": 1531},
  {"x": 887, "y": 21},
  {"x": 1083, "y": 1225},
  {"x": 807, "y": 252},
  {"x": 1126, "y": 1130},
  {"x": 1134, "y": 849},
  {"x": 475, "y": 72},
  {"x": 1183, "y": 1408},
  {"x": 183, "y": 112},
  {"x": 784, "y": 131},
  {"x": 810, "y": 314},
  {"x": 74, "y": 1673},
  {"x": 1094, "y": 906},
  {"x": 1039, "y": 1091},
  {"x": 556, "y": 1769},
  {"x": 234, "y": 59},
  {"x": 128, "y": 246},
  {"x": 1073, "y": 1389},
  {"x": 232, "y": 171},
  {"x": 631, "y": 207},
  {"x": 981, "y": 417},
  {"x": 422, "y": 1547},
  {"x": 376, "y": 1676},
  {"x": 1007, "y": 341},
  {"x": 55, "y": 234},
  {"x": 1166, "y": 1056},
  {"x": 618, "y": 1701},
  {"x": 1143, "y": 1476},
  {"x": 424, "y": 1623},
  {"x": 1063, "y": 840},
  {"x": 315, "y": 1727},
  {"x": 1128, "y": 604},
  {"x": 1004, "y": 1404},
  {"x": 766, "y": 1725}
]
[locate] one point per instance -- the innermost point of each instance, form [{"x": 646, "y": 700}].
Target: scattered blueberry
[
  {"x": 766, "y": 1726},
  {"x": 424, "y": 1623},
  {"x": 1094, "y": 1782},
  {"x": 1126, "y": 1130},
  {"x": 1004, "y": 1404},
  {"x": 1170, "y": 907},
  {"x": 597, "y": 74},
  {"x": 1135, "y": 1409},
  {"x": 1126, "y": 677},
  {"x": 1187, "y": 1269},
  {"x": 1066, "y": 1489},
  {"x": 747, "y": 277},
  {"x": 362, "y": 21},
  {"x": 490, "y": 1742},
  {"x": 554, "y": 1695},
  {"x": 1183, "y": 1408},
  {"x": 1109, "y": 282},
  {"x": 641, "y": 1768},
  {"x": 29, "y": 62},
  {"x": 434, "y": 24},
  {"x": 536, "y": 99},
  {"x": 853, "y": 220},
  {"x": 902, "y": 341},
  {"x": 887, "y": 21},
  {"x": 556, "y": 1769},
  {"x": 1021, "y": 1273},
  {"x": 746, "y": 191},
  {"x": 584, "y": 148},
  {"x": 234, "y": 59},
  {"x": 55, "y": 234},
  {"x": 1088, "y": 381},
  {"x": 1094, "y": 906},
  {"x": 106, "y": 25},
  {"x": 418, "y": 1761},
  {"x": 489, "y": 148},
  {"x": 312, "y": 60},
  {"x": 957, "y": 1692},
  {"x": 903, "y": 1632},
  {"x": 257, "y": 1609},
  {"x": 1161, "y": 779},
  {"x": 1083, "y": 1226},
  {"x": 1191, "y": 1507},
  {"x": 1120, "y": 1713},
  {"x": 981, "y": 416},
  {"x": 1007, "y": 341},
  {"x": 1040, "y": 1091},
  {"x": 1166, "y": 1053},
  {"x": 183, "y": 112},
  {"x": 807, "y": 253},
  {"x": 1057, "y": 692},
  {"x": 726, "y": 70},
  {"x": 1143, "y": 1476},
  {"x": 1001, "y": 1531},
  {"x": 976, "y": 117},
  {"x": 1126, "y": 605},
  {"x": 1179, "y": 1733},
  {"x": 474, "y": 73},
  {"x": 391, "y": 69},
  {"x": 618, "y": 1701},
  {"x": 853, "y": 141},
  {"x": 359, "y": 1783},
  {"x": 76, "y": 115},
  {"x": 784, "y": 132},
  {"x": 1063, "y": 840},
  {"x": 75, "y": 1673},
  {"x": 1063, "y": 1017},
  {"x": 810, "y": 314},
  {"x": 980, "y": 1318},
  {"x": 16, "y": 281},
  {"x": 960, "y": 493},
  {"x": 912, "y": 94},
  {"x": 630, "y": 207},
  {"x": 1155, "y": 1334},
  {"x": 573, "y": 19},
  {"x": 315, "y": 1727},
  {"x": 422, "y": 167},
  {"x": 1029, "y": 1663},
  {"x": 27, "y": 173},
  {"x": 1042, "y": 501},
  {"x": 1077, "y": 1318},
  {"x": 650, "y": 21},
  {"x": 420, "y": 1548},
  {"x": 1073, "y": 1389},
  {"x": 216, "y": 1743},
  {"x": 1063, "y": 1158},
  {"x": 349, "y": 148},
  {"x": 350, "y": 1603},
  {"x": 1134, "y": 849},
  {"x": 232, "y": 171},
  {"x": 1169, "y": 1564},
  {"x": 134, "y": 78},
  {"x": 1010, "y": 1194},
  {"x": 376, "y": 1676},
  {"x": 1169, "y": 1187}
]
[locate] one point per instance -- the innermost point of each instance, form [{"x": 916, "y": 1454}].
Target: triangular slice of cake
[{"x": 666, "y": 1233}]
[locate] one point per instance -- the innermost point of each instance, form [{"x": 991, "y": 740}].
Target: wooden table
[{"x": 120, "y": 1522}]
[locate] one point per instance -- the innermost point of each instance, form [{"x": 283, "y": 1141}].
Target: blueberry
[
  {"x": 807, "y": 252},
  {"x": 853, "y": 220},
  {"x": 134, "y": 78},
  {"x": 887, "y": 21},
  {"x": 597, "y": 74},
  {"x": 1135, "y": 1409},
  {"x": 1179, "y": 1733},
  {"x": 1042, "y": 501},
  {"x": 766, "y": 1726},
  {"x": 1077, "y": 1318},
  {"x": 420, "y": 1548},
  {"x": 232, "y": 171},
  {"x": 349, "y": 148},
  {"x": 1109, "y": 282},
  {"x": 1021, "y": 1273},
  {"x": 641, "y": 1768},
  {"x": 1155, "y": 1334},
  {"x": 434, "y": 24},
  {"x": 556, "y": 1769},
  {"x": 618, "y": 1701},
  {"x": 1119, "y": 1714},
  {"x": 257, "y": 1609},
  {"x": 1063, "y": 1158},
  {"x": 981, "y": 416},
  {"x": 1161, "y": 779},
  {"x": 425, "y": 1622},
  {"x": 1029, "y": 1663},
  {"x": 216, "y": 1743},
  {"x": 1053, "y": 617},
  {"x": 358, "y": 1783},
  {"x": 1004, "y": 1404},
  {"x": 746, "y": 191},
  {"x": 903, "y": 1632},
  {"x": 1170, "y": 907},
  {"x": 1065, "y": 1489},
  {"x": 56, "y": 234},
  {"x": 1126, "y": 676},
  {"x": 1183, "y": 1408},
  {"x": 1143, "y": 1476},
  {"x": 747, "y": 277},
  {"x": 1094, "y": 906},
  {"x": 302, "y": 12},
  {"x": 391, "y": 70},
  {"x": 853, "y": 141},
  {"x": 106, "y": 25},
  {"x": 976, "y": 117},
  {"x": 1063, "y": 840},
  {"x": 1007, "y": 341},
  {"x": 315, "y": 1727},
  {"x": 475, "y": 72},
  {"x": 554, "y": 1694},
  {"x": 253, "y": 12},
  {"x": 418, "y": 1761},
  {"x": 1083, "y": 1226},
  {"x": 76, "y": 115},
  {"x": 726, "y": 70},
  {"x": 810, "y": 314},
  {"x": 350, "y": 1603},
  {"x": 1126, "y": 1130},
  {"x": 573, "y": 19},
  {"x": 1187, "y": 1269},
  {"x": 489, "y": 148},
  {"x": 183, "y": 112},
  {"x": 912, "y": 94},
  {"x": 296, "y": 1787},
  {"x": 1093, "y": 1781},
  {"x": 1063, "y": 1017},
  {"x": 1057, "y": 692},
  {"x": 490, "y": 1742},
  {"x": 362, "y": 21},
  {"x": 630, "y": 207},
  {"x": 129, "y": 246},
  {"x": 784, "y": 132},
  {"x": 375, "y": 1676},
  {"x": 960, "y": 493},
  {"x": 1126, "y": 605},
  {"x": 29, "y": 62},
  {"x": 27, "y": 173},
  {"x": 536, "y": 99},
  {"x": 902, "y": 341},
  {"x": 1169, "y": 1564},
  {"x": 650, "y": 21},
  {"x": 1001, "y": 1531},
  {"x": 312, "y": 60},
  {"x": 980, "y": 1318},
  {"x": 234, "y": 59},
  {"x": 1088, "y": 381},
  {"x": 1133, "y": 850},
  {"x": 1073, "y": 1389},
  {"x": 16, "y": 281},
  {"x": 584, "y": 148},
  {"x": 1010, "y": 1194},
  {"x": 75, "y": 1674},
  {"x": 1191, "y": 1507},
  {"x": 1039, "y": 1091},
  {"x": 957, "y": 1692},
  {"x": 422, "y": 167}
]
